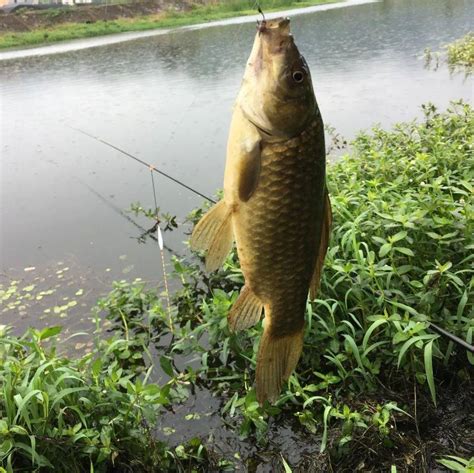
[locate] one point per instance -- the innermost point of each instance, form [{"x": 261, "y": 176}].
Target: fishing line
[
  {"x": 259, "y": 8},
  {"x": 256, "y": 6},
  {"x": 159, "y": 236},
  {"x": 120, "y": 212},
  {"x": 144, "y": 163}
]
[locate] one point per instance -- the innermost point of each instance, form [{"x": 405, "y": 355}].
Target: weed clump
[
  {"x": 461, "y": 52},
  {"x": 459, "y": 55}
]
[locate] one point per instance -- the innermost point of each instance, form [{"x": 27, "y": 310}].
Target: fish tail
[
  {"x": 276, "y": 360},
  {"x": 213, "y": 233}
]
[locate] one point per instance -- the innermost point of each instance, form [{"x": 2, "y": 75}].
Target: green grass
[
  {"x": 167, "y": 19},
  {"x": 400, "y": 257}
]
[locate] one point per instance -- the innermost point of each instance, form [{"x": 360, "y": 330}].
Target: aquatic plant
[
  {"x": 459, "y": 55},
  {"x": 461, "y": 52}
]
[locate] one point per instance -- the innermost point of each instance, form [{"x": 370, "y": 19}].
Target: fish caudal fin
[
  {"x": 277, "y": 358},
  {"x": 213, "y": 233},
  {"x": 246, "y": 310},
  {"x": 323, "y": 247}
]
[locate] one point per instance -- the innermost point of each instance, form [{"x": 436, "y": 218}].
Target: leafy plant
[
  {"x": 461, "y": 52},
  {"x": 80, "y": 415},
  {"x": 459, "y": 55}
]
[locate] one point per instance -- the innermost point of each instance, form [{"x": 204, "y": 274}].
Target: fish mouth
[
  {"x": 274, "y": 36},
  {"x": 277, "y": 25}
]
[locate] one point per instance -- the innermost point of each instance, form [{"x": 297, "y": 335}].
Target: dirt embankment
[{"x": 29, "y": 19}]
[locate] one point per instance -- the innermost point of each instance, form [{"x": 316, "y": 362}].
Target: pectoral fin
[
  {"x": 323, "y": 246},
  {"x": 213, "y": 233},
  {"x": 244, "y": 150},
  {"x": 249, "y": 171}
]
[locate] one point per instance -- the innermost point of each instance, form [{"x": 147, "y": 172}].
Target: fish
[{"x": 275, "y": 204}]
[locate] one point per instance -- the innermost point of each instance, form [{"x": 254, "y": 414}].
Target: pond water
[{"x": 168, "y": 100}]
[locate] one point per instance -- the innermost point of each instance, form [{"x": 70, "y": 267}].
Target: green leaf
[
  {"x": 166, "y": 366},
  {"x": 96, "y": 367},
  {"x": 355, "y": 351},
  {"x": 399, "y": 236},
  {"x": 5, "y": 448},
  {"x": 66, "y": 392},
  {"x": 50, "y": 332},
  {"x": 457, "y": 464},
  {"x": 409, "y": 343},
  {"x": 428, "y": 357},
  {"x": 372, "y": 327},
  {"x": 3, "y": 427},
  {"x": 285, "y": 464},
  {"x": 384, "y": 249},
  {"x": 324, "y": 440},
  {"x": 405, "y": 251}
]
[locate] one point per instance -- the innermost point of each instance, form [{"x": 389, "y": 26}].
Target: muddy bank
[
  {"x": 29, "y": 19},
  {"x": 416, "y": 445}
]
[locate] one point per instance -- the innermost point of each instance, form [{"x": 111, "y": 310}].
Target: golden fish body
[
  {"x": 275, "y": 204},
  {"x": 278, "y": 229}
]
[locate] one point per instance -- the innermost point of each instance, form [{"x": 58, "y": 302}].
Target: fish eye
[{"x": 298, "y": 76}]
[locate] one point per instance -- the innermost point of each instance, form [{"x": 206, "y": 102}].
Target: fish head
[{"x": 277, "y": 93}]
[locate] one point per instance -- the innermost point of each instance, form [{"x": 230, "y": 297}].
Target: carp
[{"x": 275, "y": 206}]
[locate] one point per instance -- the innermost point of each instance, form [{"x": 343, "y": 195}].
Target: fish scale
[{"x": 277, "y": 229}]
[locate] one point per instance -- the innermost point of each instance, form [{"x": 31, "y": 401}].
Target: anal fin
[
  {"x": 213, "y": 233},
  {"x": 277, "y": 358},
  {"x": 246, "y": 311},
  {"x": 323, "y": 247}
]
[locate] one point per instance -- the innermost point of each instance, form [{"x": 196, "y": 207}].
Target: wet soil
[{"x": 413, "y": 446}]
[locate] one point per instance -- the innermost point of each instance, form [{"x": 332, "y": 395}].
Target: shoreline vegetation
[
  {"x": 375, "y": 387},
  {"x": 458, "y": 55},
  {"x": 171, "y": 16}
]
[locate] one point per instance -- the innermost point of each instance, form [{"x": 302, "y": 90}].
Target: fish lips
[{"x": 275, "y": 36}]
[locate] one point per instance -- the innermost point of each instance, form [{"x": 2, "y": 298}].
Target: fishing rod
[
  {"x": 144, "y": 163},
  {"x": 452, "y": 337}
]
